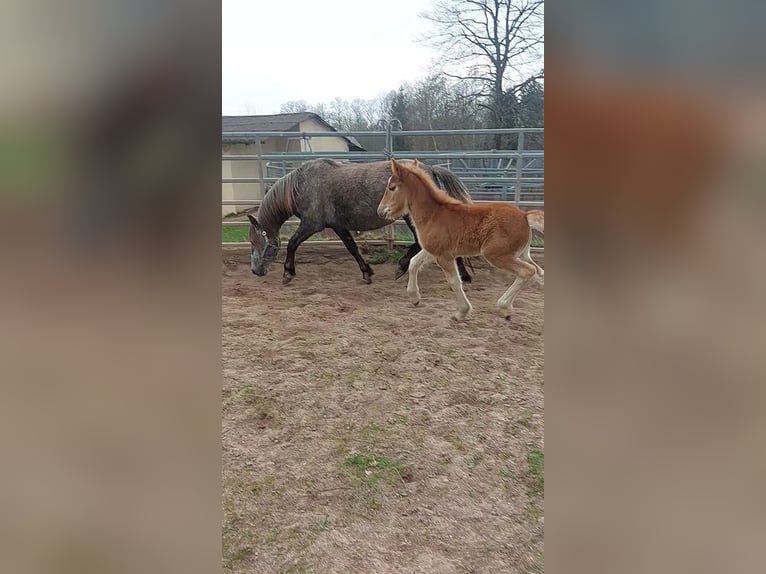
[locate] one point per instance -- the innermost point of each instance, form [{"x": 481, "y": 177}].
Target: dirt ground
[{"x": 362, "y": 434}]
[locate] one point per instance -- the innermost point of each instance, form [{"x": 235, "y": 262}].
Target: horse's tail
[
  {"x": 450, "y": 183},
  {"x": 536, "y": 220},
  {"x": 278, "y": 205}
]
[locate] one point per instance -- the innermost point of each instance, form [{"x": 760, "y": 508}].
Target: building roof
[{"x": 275, "y": 123}]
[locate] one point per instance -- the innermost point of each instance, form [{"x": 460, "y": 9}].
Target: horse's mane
[
  {"x": 439, "y": 196},
  {"x": 277, "y": 205},
  {"x": 449, "y": 182}
]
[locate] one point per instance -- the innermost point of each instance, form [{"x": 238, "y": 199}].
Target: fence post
[
  {"x": 261, "y": 166},
  {"x": 390, "y": 234},
  {"x": 519, "y": 168}
]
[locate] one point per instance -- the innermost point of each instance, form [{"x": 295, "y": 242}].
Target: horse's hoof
[
  {"x": 367, "y": 279},
  {"x": 286, "y": 279},
  {"x": 399, "y": 273},
  {"x": 466, "y": 279}
]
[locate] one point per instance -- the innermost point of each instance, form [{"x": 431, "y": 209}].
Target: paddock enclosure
[{"x": 362, "y": 434}]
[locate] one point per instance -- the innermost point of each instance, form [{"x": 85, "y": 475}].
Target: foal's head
[
  {"x": 262, "y": 251},
  {"x": 395, "y": 200}
]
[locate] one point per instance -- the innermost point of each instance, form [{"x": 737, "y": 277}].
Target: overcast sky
[{"x": 277, "y": 51}]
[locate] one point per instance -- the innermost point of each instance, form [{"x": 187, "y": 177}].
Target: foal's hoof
[
  {"x": 399, "y": 273},
  {"x": 367, "y": 278},
  {"x": 460, "y": 315},
  {"x": 286, "y": 279}
]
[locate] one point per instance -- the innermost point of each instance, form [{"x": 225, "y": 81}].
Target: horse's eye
[{"x": 392, "y": 188}]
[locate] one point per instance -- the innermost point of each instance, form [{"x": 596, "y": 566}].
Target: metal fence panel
[{"x": 516, "y": 175}]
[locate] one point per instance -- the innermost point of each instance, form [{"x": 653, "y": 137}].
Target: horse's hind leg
[
  {"x": 348, "y": 241},
  {"x": 449, "y": 267},
  {"x": 304, "y": 231},
  {"x": 414, "y": 249},
  {"x": 465, "y": 277}
]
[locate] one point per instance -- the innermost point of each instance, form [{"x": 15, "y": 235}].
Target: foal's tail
[{"x": 536, "y": 220}]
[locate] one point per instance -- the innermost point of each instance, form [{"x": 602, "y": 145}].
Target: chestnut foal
[{"x": 447, "y": 228}]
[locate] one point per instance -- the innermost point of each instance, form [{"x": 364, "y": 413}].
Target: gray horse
[{"x": 343, "y": 196}]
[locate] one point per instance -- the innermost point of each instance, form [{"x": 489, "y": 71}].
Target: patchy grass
[
  {"x": 402, "y": 420},
  {"x": 369, "y": 472},
  {"x": 474, "y": 460},
  {"x": 234, "y": 234},
  {"x": 536, "y": 463},
  {"x": 378, "y": 256},
  {"x": 362, "y": 439}
]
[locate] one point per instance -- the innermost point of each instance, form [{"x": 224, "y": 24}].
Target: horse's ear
[
  {"x": 394, "y": 167},
  {"x": 415, "y": 163},
  {"x": 253, "y": 220}
]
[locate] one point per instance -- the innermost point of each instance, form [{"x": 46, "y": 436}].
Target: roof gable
[{"x": 274, "y": 123}]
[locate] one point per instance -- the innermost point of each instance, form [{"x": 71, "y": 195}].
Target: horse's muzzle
[{"x": 384, "y": 212}]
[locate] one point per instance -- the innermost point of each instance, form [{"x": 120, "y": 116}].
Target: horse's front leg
[
  {"x": 304, "y": 231},
  {"x": 348, "y": 241}
]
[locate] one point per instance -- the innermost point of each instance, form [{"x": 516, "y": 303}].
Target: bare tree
[
  {"x": 496, "y": 44},
  {"x": 295, "y": 106}
]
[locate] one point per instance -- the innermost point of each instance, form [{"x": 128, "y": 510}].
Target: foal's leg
[
  {"x": 528, "y": 258},
  {"x": 414, "y": 249},
  {"x": 449, "y": 267},
  {"x": 524, "y": 273},
  {"x": 404, "y": 262},
  {"x": 304, "y": 231},
  {"x": 348, "y": 241},
  {"x": 413, "y": 290},
  {"x": 464, "y": 275}
]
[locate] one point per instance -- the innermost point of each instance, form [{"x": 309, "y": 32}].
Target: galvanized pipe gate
[{"x": 520, "y": 170}]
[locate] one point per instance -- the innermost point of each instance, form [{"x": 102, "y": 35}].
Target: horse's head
[
  {"x": 263, "y": 250},
  {"x": 394, "y": 202}
]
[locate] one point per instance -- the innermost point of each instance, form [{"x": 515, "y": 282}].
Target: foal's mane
[{"x": 438, "y": 195}]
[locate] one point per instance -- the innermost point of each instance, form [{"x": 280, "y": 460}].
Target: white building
[{"x": 244, "y": 145}]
